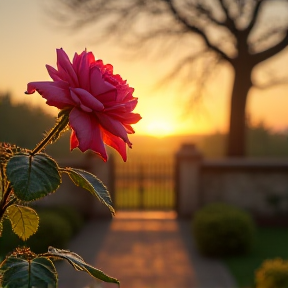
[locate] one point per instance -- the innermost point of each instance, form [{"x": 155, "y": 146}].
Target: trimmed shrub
[
  {"x": 220, "y": 229},
  {"x": 8, "y": 240},
  {"x": 54, "y": 230},
  {"x": 272, "y": 274},
  {"x": 74, "y": 217}
]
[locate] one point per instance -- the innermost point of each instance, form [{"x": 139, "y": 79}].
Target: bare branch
[
  {"x": 195, "y": 70},
  {"x": 204, "y": 11},
  {"x": 264, "y": 55},
  {"x": 254, "y": 16},
  {"x": 197, "y": 96},
  {"x": 241, "y": 5},
  {"x": 140, "y": 40},
  {"x": 186, "y": 61},
  {"x": 258, "y": 42},
  {"x": 196, "y": 30},
  {"x": 229, "y": 23}
]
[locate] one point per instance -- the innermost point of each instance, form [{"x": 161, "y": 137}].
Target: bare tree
[{"x": 230, "y": 31}]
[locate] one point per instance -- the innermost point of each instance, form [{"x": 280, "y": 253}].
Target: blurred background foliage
[
  {"x": 25, "y": 127},
  {"x": 17, "y": 122}
]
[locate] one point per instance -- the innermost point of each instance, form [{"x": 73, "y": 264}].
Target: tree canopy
[{"x": 242, "y": 33}]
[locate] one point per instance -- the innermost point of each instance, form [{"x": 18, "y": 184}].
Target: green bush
[
  {"x": 54, "y": 230},
  {"x": 8, "y": 240},
  {"x": 220, "y": 230},
  {"x": 272, "y": 274},
  {"x": 74, "y": 217}
]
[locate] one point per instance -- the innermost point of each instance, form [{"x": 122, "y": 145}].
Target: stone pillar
[{"x": 188, "y": 162}]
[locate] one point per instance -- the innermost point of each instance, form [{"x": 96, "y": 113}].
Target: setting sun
[
  {"x": 160, "y": 128},
  {"x": 161, "y": 109}
]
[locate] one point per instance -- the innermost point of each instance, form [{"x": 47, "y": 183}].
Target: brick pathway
[{"x": 143, "y": 253}]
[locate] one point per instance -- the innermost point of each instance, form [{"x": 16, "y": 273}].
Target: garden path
[{"x": 143, "y": 250}]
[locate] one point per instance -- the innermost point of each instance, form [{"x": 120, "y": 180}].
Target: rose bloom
[{"x": 101, "y": 103}]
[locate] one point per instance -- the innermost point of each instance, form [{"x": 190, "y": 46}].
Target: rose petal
[
  {"x": 129, "y": 129},
  {"x": 87, "y": 99},
  {"x": 85, "y": 108},
  {"x": 74, "y": 143},
  {"x": 113, "y": 126},
  {"x": 75, "y": 98},
  {"x": 87, "y": 131},
  {"x": 121, "y": 107},
  {"x": 84, "y": 72},
  {"x": 108, "y": 98},
  {"x": 130, "y": 106},
  {"x": 116, "y": 108},
  {"x": 98, "y": 84},
  {"x": 76, "y": 61},
  {"x": 127, "y": 118},
  {"x": 132, "y": 118},
  {"x": 65, "y": 68},
  {"x": 115, "y": 142},
  {"x": 56, "y": 93},
  {"x": 124, "y": 93},
  {"x": 54, "y": 74}
]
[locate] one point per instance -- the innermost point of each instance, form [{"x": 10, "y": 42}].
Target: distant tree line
[
  {"x": 16, "y": 122},
  {"x": 261, "y": 141},
  {"x": 25, "y": 126}
]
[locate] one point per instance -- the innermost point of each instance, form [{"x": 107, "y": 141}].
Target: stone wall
[{"x": 257, "y": 185}]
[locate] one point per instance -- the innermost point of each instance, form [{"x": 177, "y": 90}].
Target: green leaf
[
  {"x": 91, "y": 183},
  {"x": 1, "y": 183},
  {"x": 21, "y": 273},
  {"x": 79, "y": 264},
  {"x": 1, "y": 226},
  {"x": 24, "y": 220},
  {"x": 32, "y": 177}
]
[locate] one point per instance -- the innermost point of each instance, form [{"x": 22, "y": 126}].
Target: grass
[{"x": 269, "y": 243}]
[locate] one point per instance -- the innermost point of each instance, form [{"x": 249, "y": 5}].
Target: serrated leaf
[
  {"x": 32, "y": 177},
  {"x": 91, "y": 183},
  {"x": 20, "y": 273},
  {"x": 7, "y": 150},
  {"x": 80, "y": 265},
  {"x": 24, "y": 220},
  {"x": 1, "y": 227}
]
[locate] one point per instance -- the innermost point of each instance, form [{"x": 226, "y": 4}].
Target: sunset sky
[{"x": 28, "y": 42}]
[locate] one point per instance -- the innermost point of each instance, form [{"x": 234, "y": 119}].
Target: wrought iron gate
[{"x": 145, "y": 182}]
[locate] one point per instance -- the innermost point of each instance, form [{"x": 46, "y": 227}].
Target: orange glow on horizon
[
  {"x": 160, "y": 109},
  {"x": 160, "y": 128}
]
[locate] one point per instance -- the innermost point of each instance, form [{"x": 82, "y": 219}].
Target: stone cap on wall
[
  {"x": 189, "y": 151},
  {"x": 246, "y": 163}
]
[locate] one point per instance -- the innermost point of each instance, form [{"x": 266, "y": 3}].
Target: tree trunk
[{"x": 237, "y": 129}]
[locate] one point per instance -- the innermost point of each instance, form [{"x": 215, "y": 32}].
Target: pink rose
[{"x": 101, "y": 103}]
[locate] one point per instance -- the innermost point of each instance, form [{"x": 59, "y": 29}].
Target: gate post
[{"x": 187, "y": 172}]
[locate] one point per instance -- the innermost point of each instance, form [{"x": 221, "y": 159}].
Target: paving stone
[{"x": 143, "y": 253}]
